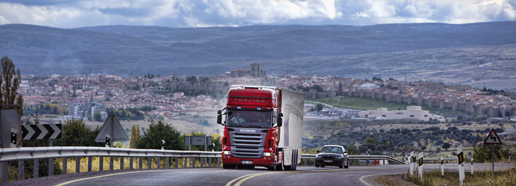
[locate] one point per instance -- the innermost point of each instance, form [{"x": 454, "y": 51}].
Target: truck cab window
[{"x": 256, "y": 119}]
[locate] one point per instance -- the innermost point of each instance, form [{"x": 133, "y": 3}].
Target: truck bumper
[{"x": 264, "y": 161}]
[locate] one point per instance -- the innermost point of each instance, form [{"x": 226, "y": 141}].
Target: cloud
[{"x": 199, "y": 13}]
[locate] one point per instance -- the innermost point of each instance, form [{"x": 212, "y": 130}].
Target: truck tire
[
  {"x": 316, "y": 164},
  {"x": 271, "y": 168},
  {"x": 294, "y": 163},
  {"x": 279, "y": 167}
]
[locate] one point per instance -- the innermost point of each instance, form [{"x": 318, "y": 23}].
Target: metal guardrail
[
  {"x": 38, "y": 153},
  {"x": 361, "y": 157}
]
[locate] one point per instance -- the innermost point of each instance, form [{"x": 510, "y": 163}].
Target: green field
[{"x": 359, "y": 103}]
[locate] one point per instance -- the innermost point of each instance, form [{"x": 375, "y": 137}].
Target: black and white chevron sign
[{"x": 42, "y": 131}]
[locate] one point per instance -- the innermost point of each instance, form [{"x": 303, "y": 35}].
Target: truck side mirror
[
  {"x": 279, "y": 121},
  {"x": 318, "y": 151},
  {"x": 219, "y": 117}
]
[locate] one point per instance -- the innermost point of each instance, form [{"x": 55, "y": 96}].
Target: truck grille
[{"x": 247, "y": 145}]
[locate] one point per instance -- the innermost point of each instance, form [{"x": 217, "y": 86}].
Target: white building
[{"x": 412, "y": 112}]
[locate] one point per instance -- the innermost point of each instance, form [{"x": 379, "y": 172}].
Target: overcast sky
[{"x": 203, "y": 13}]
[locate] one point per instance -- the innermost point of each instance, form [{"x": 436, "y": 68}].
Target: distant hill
[{"x": 293, "y": 49}]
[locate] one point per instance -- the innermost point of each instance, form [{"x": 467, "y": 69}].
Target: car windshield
[
  {"x": 331, "y": 150},
  {"x": 251, "y": 119}
]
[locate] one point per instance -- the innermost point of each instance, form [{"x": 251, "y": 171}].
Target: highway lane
[{"x": 305, "y": 175}]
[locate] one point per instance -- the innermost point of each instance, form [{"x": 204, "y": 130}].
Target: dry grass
[
  {"x": 116, "y": 163},
  {"x": 392, "y": 180},
  {"x": 13, "y": 170},
  {"x": 480, "y": 178}
]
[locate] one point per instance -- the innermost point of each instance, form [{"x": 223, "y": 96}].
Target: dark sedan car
[{"x": 332, "y": 155}]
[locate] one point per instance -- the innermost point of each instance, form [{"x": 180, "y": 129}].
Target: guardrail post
[
  {"x": 21, "y": 169},
  {"x": 130, "y": 163},
  {"x": 211, "y": 163},
  {"x": 192, "y": 162},
  {"x": 184, "y": 162},
  {"x": 202, "y": 162},
  {"x": 168, "y": 163},
  {"x": 77, "y": 164},
  {"x": 122, "y": 163},
  {"x": 101, "y": 163},
  {"x": 90, "y": 159},
  {"x": 158, "y": 162},
  {"x": 65, "y": 165},
  {"x": 5, "y": 171},
  {"x": 51, "y": 167},
  {"x": 36, "y": 168},
  {"x": 305, "y": 162},
  {"x": 176, "y": 162},
  {"x": 150, "y": 162},
  {"x": 111, "y": 163},
  {"x": 140, "y": 162},
  {"x": 218, "y": 162}
]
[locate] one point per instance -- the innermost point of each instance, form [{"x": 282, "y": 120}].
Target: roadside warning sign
[{"x": 492, "y": 138}]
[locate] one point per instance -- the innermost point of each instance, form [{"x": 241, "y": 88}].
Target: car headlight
[
  {"x": 266, "y": 154},
  {"x": 226, "y": 152},
  {"x": 317, "y": 156}
]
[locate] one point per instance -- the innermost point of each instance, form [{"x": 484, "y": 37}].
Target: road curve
[{"x": 305, "y": 175}]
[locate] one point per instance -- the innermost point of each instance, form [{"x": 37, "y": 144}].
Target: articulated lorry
[{"x": 263, "y": 127}]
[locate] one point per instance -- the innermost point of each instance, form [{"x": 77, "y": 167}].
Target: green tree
[
  {"x": 423, "y": 148},
  {"x": 97, "y": 116},
  {"x": 76, "y": 133},
  {"x": 319, "y": 107},
  {"x": 446, "y": 146},
  {"x": 161, "y": 131},
  {"x": 9, "y": 83},
  {"x": 135, "y": 136}
]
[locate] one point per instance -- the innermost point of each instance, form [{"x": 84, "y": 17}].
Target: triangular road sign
[
  {"x": 492, "y": 138},
  {"x": 112, "y": 128}
]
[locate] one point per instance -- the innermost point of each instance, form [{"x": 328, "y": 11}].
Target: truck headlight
[
  {"x": 266, "y": 154},
  {"x": 227, "y": 152}
]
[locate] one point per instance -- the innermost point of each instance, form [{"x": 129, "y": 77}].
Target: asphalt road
[{"x": 305, "y": 175}]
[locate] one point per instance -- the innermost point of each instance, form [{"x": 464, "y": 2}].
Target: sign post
[
  {"x": 493, "y": 139},
  {"x": 471, "y": 166},
  {"x": 460, "y": 160},
  {"x": 510, "y": 152},
  {"x": 442, "y": 166},
  {"x": 420, "y": 168},
  {"x": 411, "y": 160}
]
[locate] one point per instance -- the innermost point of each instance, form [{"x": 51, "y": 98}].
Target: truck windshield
[{"x": 257, "y": 119}]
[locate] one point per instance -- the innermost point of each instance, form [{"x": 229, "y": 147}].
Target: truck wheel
[
  {"x": 294, "y": 163},
  {"x": 271, "y": 168},
  {"x": 279, "y": 167},
  {"x": 323, "y": 166}
]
